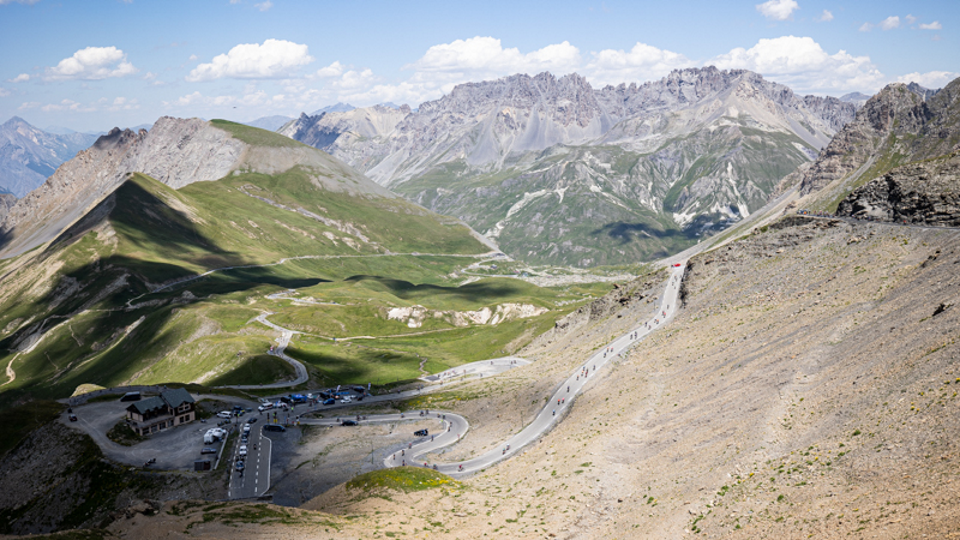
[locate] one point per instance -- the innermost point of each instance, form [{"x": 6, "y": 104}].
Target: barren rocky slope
[
  {"x": 559, "y": 172},
  {"x": 925, "y": 193},
  {"x": 809, "y": 387},
  {"x": 899, "y": 125}
]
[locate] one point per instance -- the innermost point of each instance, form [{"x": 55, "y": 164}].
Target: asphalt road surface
[{"x": 255, "y": 478}]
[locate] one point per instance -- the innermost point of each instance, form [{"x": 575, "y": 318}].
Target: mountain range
[
  {"x": 29, "y": 155},
  {"x": 559, "y": 172}
]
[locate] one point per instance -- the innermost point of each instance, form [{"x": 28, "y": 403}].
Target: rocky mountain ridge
[
  {"x": 901, "y": 124},
  {"x": 560, "y": 172},
  {"x": 28, "y": 155},
  {"x": 926, "y": 193},
  {"x": 177, "y": 152}
]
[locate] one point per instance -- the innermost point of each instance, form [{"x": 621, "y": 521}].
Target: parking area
[{"x": 173, "y": 449}]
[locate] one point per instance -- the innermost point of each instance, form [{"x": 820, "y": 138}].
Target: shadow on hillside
[
  {"x": 628, "y": 232},
  {"x": 161, "y": 245},
  {"x": 481, "y": 292},
  {"x": 361, "y": 369},
  {"x": 5, "y": 238}
]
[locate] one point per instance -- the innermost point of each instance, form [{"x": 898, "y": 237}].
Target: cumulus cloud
[
  {"x": 890, "y": 23},
  {"x": 778, "y": 10},
  {"x": 92, "y": 64},
  {"x": 935, "y": 25},
  {"x": 23, "y": 77},
  {"x": 446, "y": 65},
  {"x": 333, "y": 70},
  {"x": 802, "y": 64},
  {"x": 826, "y": 16},
  {"x": 264, "y": 6},
  {"x": 641, "y": 63},
  {"x": 866, "y": 27},
  {"x": 930, "y": 79},
  {"x": 273, "y": 59},
  {"x": 485, "y": 56},
  {"x": 910, "y": 19}
]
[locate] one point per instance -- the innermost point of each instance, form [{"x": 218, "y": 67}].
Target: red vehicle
[{"x": 676, "y": 265}]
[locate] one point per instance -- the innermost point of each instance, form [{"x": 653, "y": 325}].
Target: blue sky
[{"x": 93, "y": 64}]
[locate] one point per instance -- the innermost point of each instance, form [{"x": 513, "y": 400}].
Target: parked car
[
  {"x": 208, "y": 451},
  {"x": 274, "y": 427},
  {"x": 73, "y": 418},
  {"x": 243, "y": 449},
  {"x": 239, "y": 465},
  {"x": 329, "y": 401},
  {"x": 349, "y": 423},
  {"x": 224, "y": 414}
]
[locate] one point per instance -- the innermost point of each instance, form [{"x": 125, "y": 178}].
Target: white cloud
[
  {"x": 29, "y": 105},
  {"x": 27, "y": 2},
  {"x": 92, "y": 64},
  {"x": 866, "y": 27},
  {"x": 333, "y": 70},
  {"x": 67, "y": 105},
  {"x": 826, "y": 16},
  {"x": 123, "y": 104},
  {"x": 935, "y": 25},
  {"x": 890, "y": 23},
  {"x": 273, "y": 59},
  {"x": 264, "y": 6},
  {"x": 484, "y": 56},
  {"x": 4, "y": 92},
  {"x": 641, "y": 63},
  {"x": 930, "y": 79},
  {"x": 910, "y": 19},
  {"x": 23, "y": 77},
  {"x": 193, "y": 57},
  {"x": 802, "y": 64},
  {"x": 778, "y": 10}
]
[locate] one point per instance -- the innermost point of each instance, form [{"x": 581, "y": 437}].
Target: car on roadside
[
  {"x": 208, "y": 451},
  {"x": 274, "y": 427},
  {"x": 349, "y": 423},
  {"x": 243, "y": 450},
  {"x": 225, "y": 414},
  {"x": 329, "y": 401},
  {"x": 239, "y": 465},
  {"x": 73, "y": 418}
]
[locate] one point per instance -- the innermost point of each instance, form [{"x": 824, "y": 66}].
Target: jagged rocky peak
[{"x": 901, "y": 123}]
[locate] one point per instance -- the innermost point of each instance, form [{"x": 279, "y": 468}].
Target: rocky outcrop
[
  {"x": 902, "y": 123},
  {"x": 925, "y": 193}
]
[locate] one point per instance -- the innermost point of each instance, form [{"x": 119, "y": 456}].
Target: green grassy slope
[{"x": 103, "y": 304}]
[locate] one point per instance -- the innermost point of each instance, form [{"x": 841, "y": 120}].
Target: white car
[
  {"x": 246, "y": 428},
  {"x": 243, "y": 449},
  {"x": 346, "y": 399},
  {"x": 265, "y": 407},
  {"x": 225, "y": 414}
]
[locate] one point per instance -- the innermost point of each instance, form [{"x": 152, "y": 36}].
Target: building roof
[
  {"x": 176, "y": 397},
  {"x": 144, "y": 406}
]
